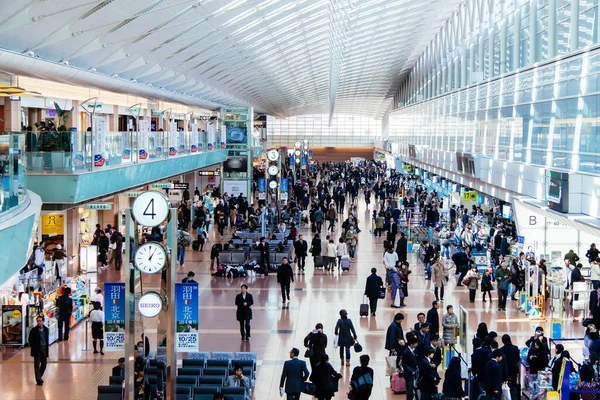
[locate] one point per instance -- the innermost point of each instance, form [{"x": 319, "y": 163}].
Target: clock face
[
  {"x": 273, "y": 184},
  {"x": 150, "y": 208},
  {"x": 273, "y": 155},
  {"x": 150, "y": 258},
  {"x": 273, "y": 170},
  {"x": 297, "y": 145},
  {"x": 297, "y": 152}
]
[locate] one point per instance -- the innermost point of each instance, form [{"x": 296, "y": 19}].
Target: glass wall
[
  {"x": 318, "y": 125},
  {"x": 12, "y": 172},
  {"x": 547, "y": 116}
]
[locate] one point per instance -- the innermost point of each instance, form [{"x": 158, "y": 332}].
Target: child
[
  {"x": 486, "y": 284},
  {"x": 437, "y": 355}
]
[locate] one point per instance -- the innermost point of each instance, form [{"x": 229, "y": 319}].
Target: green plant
[{"x": 63, "y": 117}]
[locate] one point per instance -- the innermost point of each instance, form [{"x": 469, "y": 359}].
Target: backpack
[
  {"x": 184, "y": 239},
  {"x": 363, "y": 383}
]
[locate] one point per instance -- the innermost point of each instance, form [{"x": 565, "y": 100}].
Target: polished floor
[{"x": 74, "y": 373}]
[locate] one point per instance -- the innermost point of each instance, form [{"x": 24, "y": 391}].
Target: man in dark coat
[
  {"x": 394, "y": 337},
  {"x": 493, "y": 376},
  {"x": 64, "y": 303},
  {"x": 301, "y": 251},
  {"x": 373, "y": 289},
  {"x": 409, "y": 365},
  {"x": 293, "y": 376},
  {"x": 285, "y": 276},
  {"x": 392, "y": 231},
  {"x": 479, "y": 359},
  {"x": 263, "y": 247},
  {"x": 402, "y": 247},
  {"x": 433, "y": 317},
  {"x": 39, "y": 342},
  {"x": 512, "y": 359},
  {"x": 243, "y": 302}
]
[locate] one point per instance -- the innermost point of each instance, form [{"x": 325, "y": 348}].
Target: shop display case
[{"x": 81, "y": 300}]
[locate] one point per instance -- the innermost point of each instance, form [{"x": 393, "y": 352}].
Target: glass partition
[
  {"x": 67, "y": 152},
  {"x": 12, "y": 171}
]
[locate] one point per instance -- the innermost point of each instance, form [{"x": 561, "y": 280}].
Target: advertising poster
[
  {"x": 114, "y": 316},
  {"x": 78, "y": 159},
  {"x": 172, "y": 138},
  {"x": 181, "y": 141},
  {"x": 210, "y": 145},
  {"x": 99, "y": 141},
  {"x": 201, "y": 140},
  {"x": 284, "y": 184},
  {"x": 223, "y": 136},
  {"x": 53, "y": 230},
  {"x": 186, "y": 316},
  {"x": 143, "y": 139},
  {"x": 233, "y": 187},
  {"x": 12, "y": 325},
  {"x": 158, "y": 138},
  {"x": 195, "y": 138},
  {"x": 126, "y": 146},
  {"x": 262, "y": 184}
]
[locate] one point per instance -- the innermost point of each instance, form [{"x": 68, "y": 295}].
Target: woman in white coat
[{"x": 331, "y": 254}]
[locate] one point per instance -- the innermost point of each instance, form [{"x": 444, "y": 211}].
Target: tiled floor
[{"x": 318, "y": 296}]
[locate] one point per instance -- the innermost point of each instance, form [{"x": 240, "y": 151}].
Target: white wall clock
[
  {"x": 150, "y": 258},
  {"x": 273, "y": 170}
]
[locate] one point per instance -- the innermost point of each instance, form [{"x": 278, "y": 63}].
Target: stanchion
[{"x": 87, "y": 326}]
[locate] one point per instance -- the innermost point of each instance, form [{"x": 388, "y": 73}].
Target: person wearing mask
[
  {"x": 39, "y": 341},
  {"x": 362, "y": 392},
  {"x": 511, "y": 357},
  {"x": 428, "y": 377},
  {"x": 239, "y": 380},
  {"x": 450, "y": 326},
  {"x": 433, "y": 317},
  {"x": 471, "y": 280},
  {"x": 119, "y": 369},
  {"x": 503, "y": 278},
  {"x": 263, "y": 248},
  {"x": 452, "y": 388},
  {"x": 394, "y": 336},
  {"x": 64, "y": 303},
  {"x": 293, "y": 376},
  {"x": 440, "y": 277},
  {"x": 97, "y": 318},
  {"x": 537, "y": 357},
  {"x": 402, "y": 247},
  {"x": 285, "y": 275},
  {"x": 316, "y": 343},
  {"x": 493, "y": 376},
  {"x": 325, "y": 378},
  {"x": 243, "y": 313},
  {"x": 373, "y": 289},
  {"x": 301, "y": 251},
  {"x": 344, "y": 329},
  {"x": 410, "y": 366}
]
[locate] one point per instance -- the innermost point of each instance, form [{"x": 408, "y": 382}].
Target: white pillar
[{"x": 552, "y": 28}]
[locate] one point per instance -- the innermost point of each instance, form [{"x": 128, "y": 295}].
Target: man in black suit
[
  {"x": 243, "y": 314},
  {"x": 119, "y": 370},
  {"x": 263, "y": 247},
  {"x": 433, "y": 317},
  {"x": 285, "y": 276},
  {"x": 428, "y": 376},
  {"x": 493, "y": 376},
  {"x": 39, "y": 342},
  {"x": 409, "y": 365},
  {"x": 394, "y": 336},
  {"x": 392, "y": 231},
  {"x": 479, "y": 359},
  {"x": 293, "y": 376},
  {"x": 402, "y": 247},
  {"x": 418, "y": 325},
  {"x": 512, "y": 358},
  {"x": 301, "y": 250},
  {"x": 373, "y": 289}
]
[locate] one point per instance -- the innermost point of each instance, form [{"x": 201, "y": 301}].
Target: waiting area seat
[{"x": 110, "y": 392}]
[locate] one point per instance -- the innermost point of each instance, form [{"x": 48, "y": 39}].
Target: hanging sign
[
  {"x": 211, "y": 137},
  {"x": 144, "y": 128},
  {"x": 114, "y": 316},
  {"x": 223, "y": 136},
  {"x": 470, "y": 196},
  {"x": 195, "y": 138},
  {"x": 172, "y": 138},
  {"x": 186, "y": 316},
  {"x": 125, "y": 146},
  {"x": 99, "y": 141},
  {"x": 98, "y": 206}
]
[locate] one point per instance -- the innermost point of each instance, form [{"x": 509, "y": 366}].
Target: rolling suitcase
[
  {"x": 196, "y": 245},
  {"x": 398, "y": 383},
  {"x": 364, "y": 309},
  {"x": 319, "y": 262},
  {"x": 345, "y": 263}
]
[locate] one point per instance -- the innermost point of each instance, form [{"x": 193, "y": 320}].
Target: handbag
[
  {"x": 308, "y": 353},
  {"x": 397, "y": 299},
  {"x": 358, "y": 347},
  {"x": 382, "y": 293},
  {"x": 335, "y": 341},
  {"x": 309, "y": 388},
  {"x": 505, "y": 392},
  {"x": 390, "y": 365}
]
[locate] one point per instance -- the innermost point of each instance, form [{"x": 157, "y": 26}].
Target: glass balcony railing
[
  {"x": 322, "y": 141},
  {"x": 12, "y": 172},
  {"x": 73, "y": 152}
]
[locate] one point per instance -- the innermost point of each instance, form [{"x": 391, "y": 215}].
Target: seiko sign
[{"x": 150, "y": 305}]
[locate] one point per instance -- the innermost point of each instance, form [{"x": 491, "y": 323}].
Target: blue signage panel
[
  {"x": 283, "y": 184},
  {"x": 262, "y": 184},
  {"x": 114, "y": 316},
  {"x": 186, "y": 316}
]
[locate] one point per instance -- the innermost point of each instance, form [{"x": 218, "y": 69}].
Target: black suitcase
[
  {"x": 196, "y": 245},
  {"x": 319, "y": 262},
  {"x": 364, "y": 310},
  {"x": 313, "y": 228}
]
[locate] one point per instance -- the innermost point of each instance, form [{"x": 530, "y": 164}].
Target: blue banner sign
[
  {"x": 186, "y": 316},
  {"x": 114, "y": 316}
]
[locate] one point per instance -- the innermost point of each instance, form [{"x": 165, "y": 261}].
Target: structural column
[
  {"x": 574, "y": 28},
  {"x": 552, "y": 28},
  {"x": 532, "y": 31},
  {"x": 12, "y": 115}
]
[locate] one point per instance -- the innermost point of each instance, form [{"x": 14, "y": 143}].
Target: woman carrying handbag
[
  {"x": 325, "y": 379},
  {"x": 315, "y": 343},
  {"x": 346, "y": 336}
]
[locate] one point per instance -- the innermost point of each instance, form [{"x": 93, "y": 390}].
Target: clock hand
[{"x": 151, "y": 255}]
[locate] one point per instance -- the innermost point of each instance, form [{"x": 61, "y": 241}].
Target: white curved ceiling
[{"x": 283, "y": 57}]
